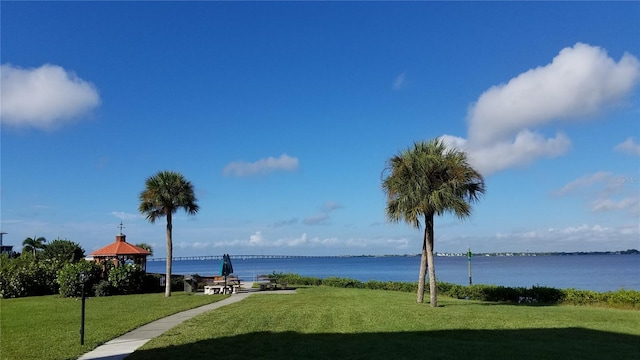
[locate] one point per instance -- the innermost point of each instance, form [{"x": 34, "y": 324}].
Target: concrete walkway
[{"x": 119, "y": 348}]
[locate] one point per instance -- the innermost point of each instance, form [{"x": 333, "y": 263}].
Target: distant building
[{"x": 6, "y": 249}]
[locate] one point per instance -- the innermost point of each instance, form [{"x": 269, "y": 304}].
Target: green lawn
[
  {"x": 332, "y": 323},
  {"x": 48, "y": 327},
  {"x": 322, "y": 323}
]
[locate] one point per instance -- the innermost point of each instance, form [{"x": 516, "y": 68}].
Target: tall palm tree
[
  {"x": 164, "y": 194},
  {"x": 425, "y": 180},
  {"x": 33, "y": 244}
]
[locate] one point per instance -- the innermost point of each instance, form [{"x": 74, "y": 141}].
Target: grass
[
  {"x": 48, "y": 327},
  {"x": 321, "y": 323},
  {"x": 324, "y": 322}
]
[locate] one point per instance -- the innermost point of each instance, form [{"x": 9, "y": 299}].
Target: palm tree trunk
[
  {"x": 167, "y": 285},
  {"x": 423, "y": 269},
  {"x": 428, "y": 231}
]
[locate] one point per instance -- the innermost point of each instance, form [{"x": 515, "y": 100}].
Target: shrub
[
  {"x": 103, "y": 288},
  {"x": 177, "y": 283},
  {"x": 63, "y": 251},
  {"x": 622, "y": 298},
  {"x": 151, "y": 283},
  {"x": 498, "y": 293},
  {"x": 126, "y": 279},
  {"x": 25, "y": 276},
  {"x": 545, "y": 295},
  {"x": 69, "y": 278},
  {"x": 296, "y": 279},
  {"x": 342, "y": 282},
  {"x": 390, "y": 285}
]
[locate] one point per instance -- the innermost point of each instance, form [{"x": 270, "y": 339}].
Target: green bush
[
  {"x": 177, "y": 283},
  {"x": 296, "y": 279},
  {"x": 498, "y": 293},
  {"x": 151, "y": 283},
  {"x": 63, "y": 251},
  {"x": 126, "y": 279},
  {"x": 391, "y": 286},
  {"x": 26, "y": 276},
  {"x": 629, "y": 299},
  {"x": 342, "y": 282},
  {"x": 69, "y": 278},
  {"x": 103, "y": 288},
  {"x": 545, "y": 295}
]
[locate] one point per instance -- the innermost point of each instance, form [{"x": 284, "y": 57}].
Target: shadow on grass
[{"x": 564, "y": 343}]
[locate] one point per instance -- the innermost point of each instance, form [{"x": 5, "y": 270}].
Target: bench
[
  {"x": 267, "y": 283},
  {"x": 218, "y": 285},
  {"x": 221, "y": 289}
]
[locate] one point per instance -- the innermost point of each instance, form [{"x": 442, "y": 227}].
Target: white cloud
[
  {"x": 454, "y": 142},
  {"x": 200, "y": 245},
  {"x": 580, "y": 81},
  {"x": 300, "y": 241},
  {"x": 583, "y": 182},
  {"x": 523, "y": 150},
  {"x": 197, "y": 245},
  {"x": 316, "y": 219},
  {"x": 125, "y": 216},
  {"x": 256, "y": 239},
  {"x": 280, "y": 223},
  {"x": 262, "y": 166},
  {"x": 399, "y": 82},
  {"x": 631, "y": 203},
  {"x": 44, "y": 97},
  {"x": 322, "y": 218},
  {"x": 604, "y": 191},
  {"x": 570, "y": 238},
  {"x": 326, "y": 242},
  {"x": 629, "y": 146},
  {"x": 329, "y": 206},
  {"x": 574, "y": 229},
  {"x": 398, "y": 243}
]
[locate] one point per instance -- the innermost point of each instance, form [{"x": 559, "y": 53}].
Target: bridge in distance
[{"x": 242, "y": 257}]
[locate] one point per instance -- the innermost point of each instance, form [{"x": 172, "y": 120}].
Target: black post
[
  {"x": 469, "y": 261},
  {"x": 82, "y": 318}
]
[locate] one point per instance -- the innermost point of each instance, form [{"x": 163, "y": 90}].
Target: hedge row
[
  {"x": 23, "y": 276},
  {"x": 29, "y": 276},
  {"x": 535, "y": 294}
]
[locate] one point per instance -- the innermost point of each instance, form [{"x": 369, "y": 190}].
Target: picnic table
[
  {"x": 221, "y": 289},
  {"x": 268, "y": 283},
  {"x": 220, "y": 286}
]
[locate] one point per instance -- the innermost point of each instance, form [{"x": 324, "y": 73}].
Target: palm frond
[
  {"x": 430, "y": 178},
  {"x": 166, "y": 193}
]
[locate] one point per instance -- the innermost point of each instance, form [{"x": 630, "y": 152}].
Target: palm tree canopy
[
  {"x": 165, "y": 193},
  {"x": 31, "y": 244},
  {"x": 146, "y": 247},
  {"x": 430, "y": 178}
]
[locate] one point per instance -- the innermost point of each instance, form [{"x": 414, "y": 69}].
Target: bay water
[{"x": 586, "y": 272}]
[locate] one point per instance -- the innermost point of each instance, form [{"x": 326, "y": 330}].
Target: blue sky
[{"x": 282, "y": 115}]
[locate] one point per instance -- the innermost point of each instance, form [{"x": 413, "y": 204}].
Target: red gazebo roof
[{"x": 120, "y": 247}]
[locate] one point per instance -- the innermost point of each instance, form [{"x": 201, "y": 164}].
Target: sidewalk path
[{"x": 119, "y": 348}]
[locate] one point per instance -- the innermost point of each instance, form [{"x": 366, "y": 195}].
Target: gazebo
[{"x": 120, "y": 252}]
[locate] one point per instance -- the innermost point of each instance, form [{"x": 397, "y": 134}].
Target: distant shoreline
[
  {"x": 439, "y": 254},
  {"x": 550, "y": 253},
  {"x": 509, "y": 253}
]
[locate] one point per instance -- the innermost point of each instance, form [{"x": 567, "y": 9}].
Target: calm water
[{"x": 589, "y": 272}]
